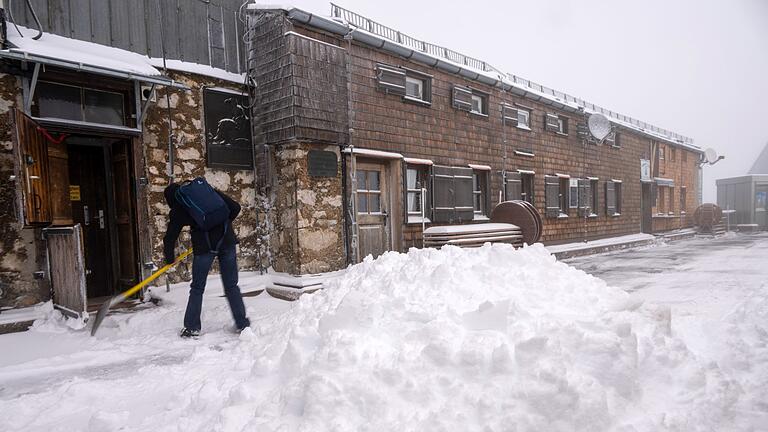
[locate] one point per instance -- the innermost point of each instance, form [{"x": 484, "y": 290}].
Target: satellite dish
[
  {"x": 710, "y": 155},
  {"x": 599, "y": 126}
]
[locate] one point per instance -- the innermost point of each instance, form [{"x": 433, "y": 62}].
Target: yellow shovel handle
[{"x": 152, "y": 277}]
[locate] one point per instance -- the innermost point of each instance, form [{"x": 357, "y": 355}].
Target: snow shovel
[{"x": 104, "y": 309}]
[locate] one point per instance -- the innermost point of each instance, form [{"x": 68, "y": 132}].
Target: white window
[
  {"x": 573, "y": 197},
  {"x": 562, "y": 125},
  {"x": 478, "y": 104},
  {"x": 416, "y": 179},
  {"x": 368, "y": 192},
  {"x": 414, "y": 88},
  {"x": 523, "y": 119},
  {"x": 479, "y": 188}
]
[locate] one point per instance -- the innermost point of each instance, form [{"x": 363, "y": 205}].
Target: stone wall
[
  {"x": 308, "y": 216},
  {"x": 21, "y": 251},
  {"x": 190, "y": 161}
]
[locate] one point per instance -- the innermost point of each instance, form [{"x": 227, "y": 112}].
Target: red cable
[{"x": 57, "y": 141}]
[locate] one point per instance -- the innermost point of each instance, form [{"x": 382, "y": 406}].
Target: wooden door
[
  {"x": 124, "y": 239},
  {"x": 372, "y": 209},
  {"x": 67, "y": 267},
  {"x": 33, "y": 168},
  {"x": 87, "y": 176}
]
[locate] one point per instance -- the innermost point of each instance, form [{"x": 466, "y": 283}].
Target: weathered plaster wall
[
  {"x": 190, "y": 161},
  {"x": 21, "y": 250},
  {"x": 308, "y": 216}
]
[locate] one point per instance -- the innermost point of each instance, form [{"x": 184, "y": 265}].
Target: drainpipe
[
  {"x": 350, "y": 213},
  {"x": 167, "y": 103}
]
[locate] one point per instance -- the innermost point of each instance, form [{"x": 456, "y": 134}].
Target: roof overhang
[{"x": 13, "y": 54}]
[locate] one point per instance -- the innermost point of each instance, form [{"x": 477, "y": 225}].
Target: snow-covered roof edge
[
  {"x": 498, "y": 79},
  {"x": 199, "y": 69}
]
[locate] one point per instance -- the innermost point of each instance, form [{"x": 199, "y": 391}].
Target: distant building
[{"x": 747, "y": 195}]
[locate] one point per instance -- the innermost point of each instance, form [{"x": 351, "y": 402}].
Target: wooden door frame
[{"x": 393, "y": 171}]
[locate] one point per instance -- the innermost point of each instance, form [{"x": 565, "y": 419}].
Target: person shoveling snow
[{"x": 209, "y": 213}]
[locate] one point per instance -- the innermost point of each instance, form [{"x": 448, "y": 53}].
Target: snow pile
[{"x": 489, "y": 339}]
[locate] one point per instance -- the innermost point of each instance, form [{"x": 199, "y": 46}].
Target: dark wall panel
[
  {"x": 118, "y": 13},
  {"x": 138, "y": 27},
  {"x": 80, "y": 18},
  {"x": 193, "y": 21},
  {"x": 154, "y": 35},
  {"x": 100, "y": 32},
  {"x": 58, "y": 17},
  {"x": 169, "y": 12}
]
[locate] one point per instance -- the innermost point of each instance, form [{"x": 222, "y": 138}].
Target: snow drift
[{"x": 488, "y": 339}]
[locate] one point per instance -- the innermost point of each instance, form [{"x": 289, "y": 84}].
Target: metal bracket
[{"x": 32, "y": 85}]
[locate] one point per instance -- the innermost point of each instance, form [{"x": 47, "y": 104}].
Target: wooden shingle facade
[{"x": 468, "y": 142}]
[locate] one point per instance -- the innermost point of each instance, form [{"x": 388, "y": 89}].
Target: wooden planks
[{"x": 67, "y": 266}]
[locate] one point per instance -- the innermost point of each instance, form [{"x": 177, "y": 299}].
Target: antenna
[{"x": 599, "y": 126}]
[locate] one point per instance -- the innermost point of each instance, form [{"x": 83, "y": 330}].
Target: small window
[
  {"x": 527, "y": 187},
  {"x": 683, "y": 193},
  {"x": 613, "y": 198},
  {"x": 479, "y": 103},
  {"x": 555, "y": 123},
  {"x": 661, "y": 153},
  {"x": 661, "y": 205},
  {"x": 562, "y": 125},
  {"x": 671, "y": 209},
  {"x": 523, "y": 119},
  {"x": 593, "y": 192},
  {"x": 368, "y": 192},
  {"x": 573, "y": 196},
  {"x": 418, "y": 87},
  {"x": 417, "y": 179},
  {"x": 479, "y": 192},
  {"x": 674, "y": 155},
  {"x": 80, "y": 104}
]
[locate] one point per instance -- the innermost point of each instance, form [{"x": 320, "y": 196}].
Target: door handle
[{"x": 100, "y": 217}]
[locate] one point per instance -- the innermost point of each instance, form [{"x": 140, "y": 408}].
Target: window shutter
[
  {"x": 509, "y": 115},
  {"x": 552, "y": 195},
  {"x": 462, "y": 98},
  {"x": 550, "y": 122},
  {"x": 442, "y": 190},
  {"x": 463, "y": 196},
  {"x": 391, "y": 79},
  {"x": 513, "y": 190},
  {"x": 34, "y": 169},
  {"x": 610, "y": 198},
  {"x": 584, "y": 198}
]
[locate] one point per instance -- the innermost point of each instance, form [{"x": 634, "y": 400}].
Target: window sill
[
  {"x": 417, "y": 220},
  {"x": 525, "y": 128},
  {"x": 561, "y": 134},
  {"x": 481, "y": 218},
  {"x": 562, "y": 216},
  {"x": 592, "y": 216},
  {"x": 417, "y": 101},
  {"x": 616, "y": 215},
  {"x": 479, "y": 114},
  {"x": 663, "y": 216}
]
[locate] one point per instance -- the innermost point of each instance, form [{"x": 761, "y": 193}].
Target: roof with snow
[
  {"x": 91, "y": 57},
  {"x": 761, "y": 163},
  {"x": 367, "y": 31}
]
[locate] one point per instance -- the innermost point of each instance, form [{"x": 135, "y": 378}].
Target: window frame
[
  {"x": 426, "y": 87},
  {"x": 422, "y": 172},
  {"x": 367, "y": 192},
  {"x": 483, "y": 97},
  {"x": 562, "y": 123},
  {"x": 527, "y": 124},
  {"x": 480, "y": 190},
  {"x": 527, "y": 181},
  {"x": 573, "y": 198},
  {"x": 683, "y": 196},
  {"x": 565, "y": 196},
  {"x": 125, "y": 109},
  {"x": 594, "y": 185}
]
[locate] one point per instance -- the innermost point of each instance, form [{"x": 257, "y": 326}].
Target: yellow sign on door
[{"x": 74, "y": 193}]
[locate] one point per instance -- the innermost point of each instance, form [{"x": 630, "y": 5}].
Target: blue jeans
[{"x": 201, "y": 265}]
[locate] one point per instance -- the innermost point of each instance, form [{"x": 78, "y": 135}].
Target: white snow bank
[{"x": 487, "y": 339}]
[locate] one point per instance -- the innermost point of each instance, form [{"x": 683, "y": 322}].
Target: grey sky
[{"x": 697, "y": 67}]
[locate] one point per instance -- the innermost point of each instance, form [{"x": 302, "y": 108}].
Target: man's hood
[{"x": 170, "y": 194}]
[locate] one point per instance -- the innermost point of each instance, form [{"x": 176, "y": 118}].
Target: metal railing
[{"x": 393, "y": 35}]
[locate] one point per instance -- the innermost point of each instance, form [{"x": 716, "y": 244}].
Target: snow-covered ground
[{"x": 488, "y": 339}]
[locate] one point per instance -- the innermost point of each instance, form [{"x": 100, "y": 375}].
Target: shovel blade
[{"x": 100, "y": 315}]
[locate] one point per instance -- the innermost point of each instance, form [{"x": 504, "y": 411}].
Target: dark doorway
[
  {"x": 103, "y": 202},
  {"x": 646, "y": 206}
]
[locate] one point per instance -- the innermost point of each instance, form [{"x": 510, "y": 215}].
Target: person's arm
[
  {"x": 171, "y": 235},
  {"x": 234, "y": 207}
]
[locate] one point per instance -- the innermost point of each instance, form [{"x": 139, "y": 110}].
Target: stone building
[
  {"x": 346, "y": 104},
  {"x": 104, "y": 103}
]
